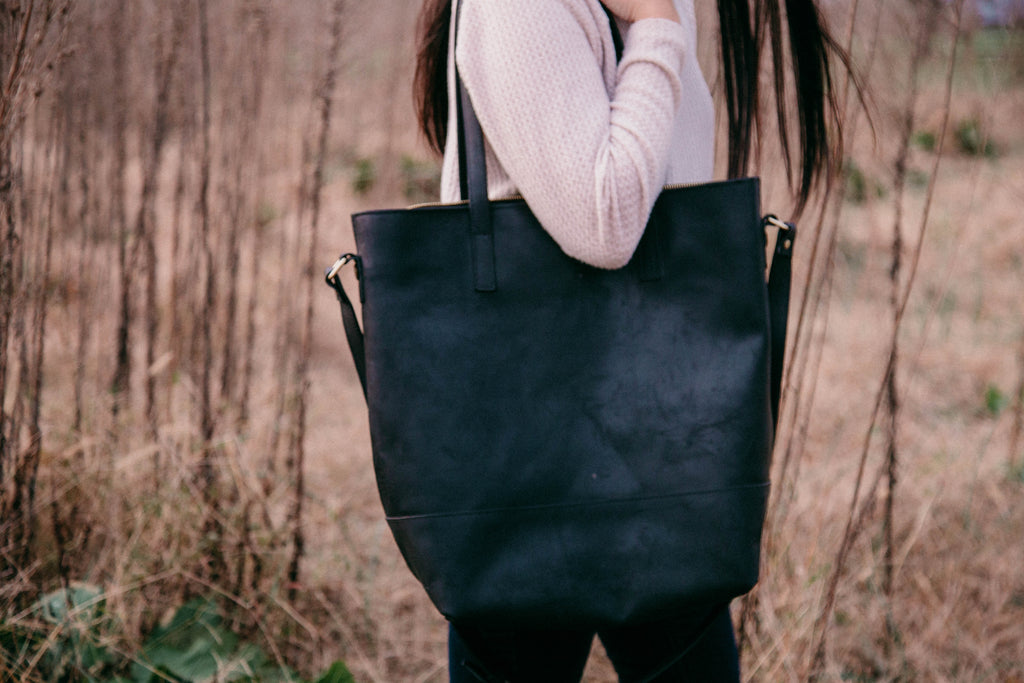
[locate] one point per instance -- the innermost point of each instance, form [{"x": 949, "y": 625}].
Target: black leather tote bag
[{"x": 561, "y": 446}]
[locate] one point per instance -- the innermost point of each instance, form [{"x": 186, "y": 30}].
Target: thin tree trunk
[
  {"x": 10, "y": 303},
  {"x": 179, "y": 347},
  {"x": 248, "y": 361},
  {"x": 926, "y": 32},
  {"x": 284, "y": 338},
  {"x": 213, "y": 530},
  {"x": 14, "y": 24},
  {"x": 121, "y": 382},
  {"x": 1015, "y": 467},
  {"x": 257, "y": 67},
  {"x": 209, "y": 300},
  {"x": 860, "y": 509},
  {"x": 166, "y": 62},
  {"x": 326, "y": 97},
  {"x": 38, "y": 337},
  {"x": 236, "y": 196},
  {"x": 232, "y": 259},
  {"x": 892, "y": 397},
  {"x": 9, "y": 242},
  {"x": 84, "y": 265}
]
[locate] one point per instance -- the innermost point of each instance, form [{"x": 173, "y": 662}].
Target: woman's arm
[{"x": 590, "y": 166}]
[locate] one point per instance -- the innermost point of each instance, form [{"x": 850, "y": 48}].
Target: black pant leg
[
  {"x": 497, "y": 655},
  {"x": 688, "y": 649}
]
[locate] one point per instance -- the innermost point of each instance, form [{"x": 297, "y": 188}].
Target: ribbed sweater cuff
[
  {"x": 657, "y": 37},
  {"x": 655, "y": 50}
]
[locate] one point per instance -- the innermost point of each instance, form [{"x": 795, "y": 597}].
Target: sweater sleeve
[{"x": 589, "y": 159}]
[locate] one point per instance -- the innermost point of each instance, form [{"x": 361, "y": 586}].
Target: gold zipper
[
  {"x": 519, "y": 197},
  {"x": 461, "y": 202},
  {"x": 430, "y": 205}
]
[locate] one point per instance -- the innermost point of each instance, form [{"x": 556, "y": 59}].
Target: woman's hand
[{"x": 635, "y": 10}]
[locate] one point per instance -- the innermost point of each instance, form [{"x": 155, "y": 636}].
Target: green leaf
[
  {"x": 195, "y": 646},
  {"x": 196, "y": 662},
  {"x": 81, "y": 603},
  {"x": 195, "y": 616},
  {"x": 247, "y": 662},
  {"x": 338, "y": 673},
  {"x": 995, "y": 400},
  {"x": 189, "y": 647}
]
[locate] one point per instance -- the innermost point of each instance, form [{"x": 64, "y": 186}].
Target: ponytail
[
  {"x": 743, "y": 25},
  {"x": 430, "y": 84}
]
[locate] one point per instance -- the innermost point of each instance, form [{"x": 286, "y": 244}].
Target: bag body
[
  {"x": 561, "y": 446},
  {"x": 577, "y": 446}
]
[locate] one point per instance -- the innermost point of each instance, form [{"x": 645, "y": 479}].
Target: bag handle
[
  {"x": 473, "y": 181},
  {"x": 349, "y": 321},
  {"x": 466, "y": 115},
  {"x": 473, "y": 168},
  {"x": 779, "y": 279}
]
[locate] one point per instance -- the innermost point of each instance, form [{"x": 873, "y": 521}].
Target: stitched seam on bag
[{"x": 583, "y": 503}]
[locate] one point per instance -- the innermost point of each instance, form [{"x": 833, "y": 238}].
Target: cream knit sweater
[{"x": 587, "y": 142}]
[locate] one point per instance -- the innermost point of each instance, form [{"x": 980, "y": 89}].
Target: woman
[{"x": 589, "y": 138}]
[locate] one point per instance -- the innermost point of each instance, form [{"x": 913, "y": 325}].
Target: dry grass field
[{"x": 186, "y": 490}]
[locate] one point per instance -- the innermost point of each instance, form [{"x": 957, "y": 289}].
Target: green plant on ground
[
  {"x": 999, "y": 55},
  {"x": 917, "y": 178},
  {"x": 70, "y": 638},
  {"x": 856, "y": 182},
  {"x": 972, "y": 140},
  {"x": 995, "y": 400},
  {"x": 1015, "y": 472},
  {"x": 195, "y": 646},
  {"x": 925, "y": 139},
  {"x": 364, "y": 175},
  {"x": 64, "y": 641},
  {"x": 858, "y": 185},
  {"x": 421, "y": 180}
]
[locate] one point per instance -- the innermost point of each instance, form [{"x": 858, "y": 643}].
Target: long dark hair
[{"x": 746, "y": 26}]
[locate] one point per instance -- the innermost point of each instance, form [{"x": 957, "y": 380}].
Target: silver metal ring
[{"x": 342, "y": 261}]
